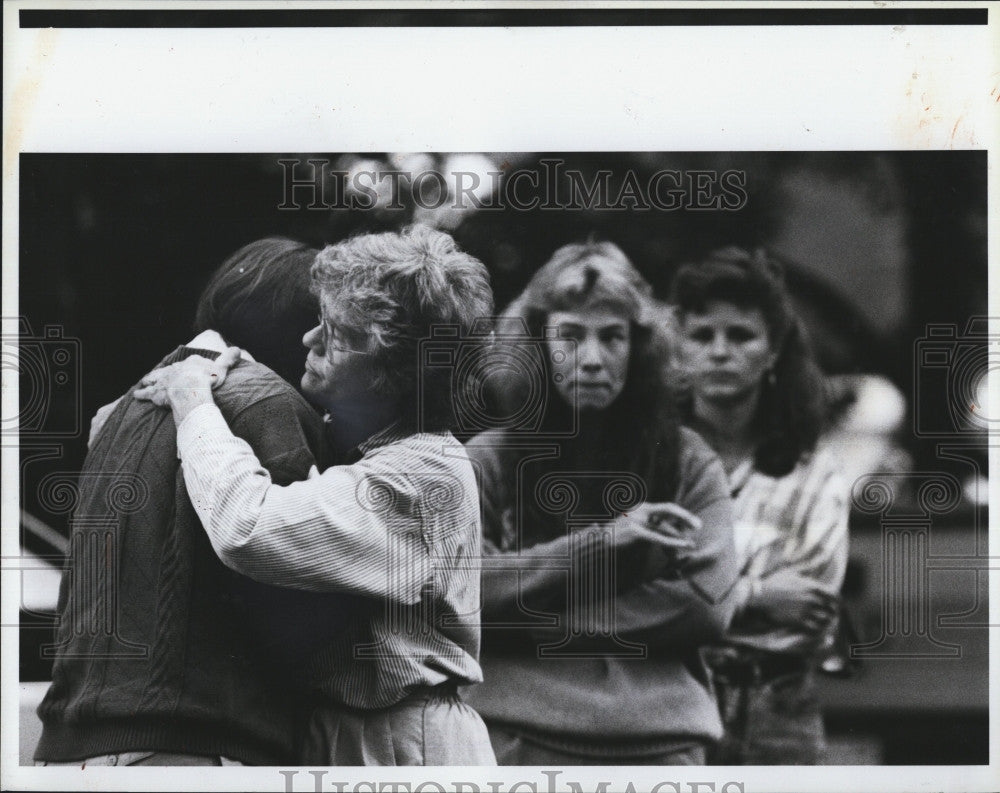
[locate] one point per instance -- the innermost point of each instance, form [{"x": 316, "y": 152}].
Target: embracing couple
[{"x": 285, "y": 589}]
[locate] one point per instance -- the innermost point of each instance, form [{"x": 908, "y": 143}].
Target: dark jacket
[{"x": 159, "y": 646}]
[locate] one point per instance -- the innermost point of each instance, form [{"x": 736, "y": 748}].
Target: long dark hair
[
  {"x": 639, "y": 430},
  {"x": 793, "y": 403}
]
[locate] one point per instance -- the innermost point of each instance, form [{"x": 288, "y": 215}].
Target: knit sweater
[
  {"x": 160, "y": 647},
  {"x": 645, "y": 686}
]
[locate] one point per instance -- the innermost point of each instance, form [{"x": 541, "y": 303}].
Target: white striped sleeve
[{"x": 353, "y": 528}]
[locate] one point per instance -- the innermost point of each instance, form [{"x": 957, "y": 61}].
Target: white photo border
[{"x": 770, "y": 88}]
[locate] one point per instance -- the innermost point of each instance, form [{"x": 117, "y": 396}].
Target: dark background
[{"x": 116, "y": 248}]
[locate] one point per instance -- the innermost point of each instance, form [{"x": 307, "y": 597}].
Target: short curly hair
[{"x": 394, "y": 288}]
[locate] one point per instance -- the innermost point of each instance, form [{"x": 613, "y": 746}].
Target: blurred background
[{"x": 886, "y": 255}]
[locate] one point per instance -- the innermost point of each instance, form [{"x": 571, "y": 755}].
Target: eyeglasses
[{"x": 329, "y": 335}]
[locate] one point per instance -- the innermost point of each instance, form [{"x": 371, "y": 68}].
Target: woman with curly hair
[
  {"x": 608, "y": 558},
  {"x": 755, "y": 393}
]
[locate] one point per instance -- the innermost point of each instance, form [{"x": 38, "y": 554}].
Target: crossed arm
[{"x": 675, "y": 593}]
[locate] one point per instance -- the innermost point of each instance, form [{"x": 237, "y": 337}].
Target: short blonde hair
[{"x": 394, "y": 288}]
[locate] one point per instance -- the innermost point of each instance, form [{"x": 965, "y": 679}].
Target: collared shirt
[
  {"x": 796, "y": 522},
  {"x": 212, "y": 340},
  {"x": 400, "y": 526}
]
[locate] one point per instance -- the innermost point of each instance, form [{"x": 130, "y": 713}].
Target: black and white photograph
[{"x": 342, "y": 456}]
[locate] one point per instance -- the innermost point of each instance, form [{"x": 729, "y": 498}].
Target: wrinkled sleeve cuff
[{"x": 198, "y": 426}]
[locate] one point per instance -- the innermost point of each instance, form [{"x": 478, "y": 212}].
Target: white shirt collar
[{"x": 212, "y": 340}]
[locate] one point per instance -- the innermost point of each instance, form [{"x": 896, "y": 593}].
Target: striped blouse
[
  {"x": 796, "y": 522},
  {"x": 401, "y": 526}
]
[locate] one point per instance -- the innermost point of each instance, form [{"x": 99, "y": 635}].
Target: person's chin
[
  {"x": 726, "y": 392},
  {"x": 309, "y": 385},
  {"x": 591, "y": 403}
]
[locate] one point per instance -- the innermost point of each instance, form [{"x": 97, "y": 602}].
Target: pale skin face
[
  {"x": 338, "y": 372},
  {"x": 725, "y": 352},
  {"x": 594, "y": 377},
  {"x": 337, "y": 365}
]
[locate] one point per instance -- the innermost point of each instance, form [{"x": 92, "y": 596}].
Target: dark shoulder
[
  {"x": 692, "y": 449},
  {"x": 487, "y": 440},
  {"x": 486, "y": 447},
  {"x": 249, "y": 383},
  {"x": 490, "y": 455},
  {"x": 252, "y": 374},
  {"x": 698, "y": 466},
  {"x": 284, "y": 430}
]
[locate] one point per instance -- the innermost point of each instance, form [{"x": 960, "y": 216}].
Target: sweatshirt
[{"x": 551, "y": 668}]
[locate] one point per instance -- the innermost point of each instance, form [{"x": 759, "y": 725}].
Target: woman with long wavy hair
[
  {"x": 755, "y": 393},
  {"x": 608, "y": 558}
]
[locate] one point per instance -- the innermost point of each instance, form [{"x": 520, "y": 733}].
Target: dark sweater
[{"x": 160, "y": 647}]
